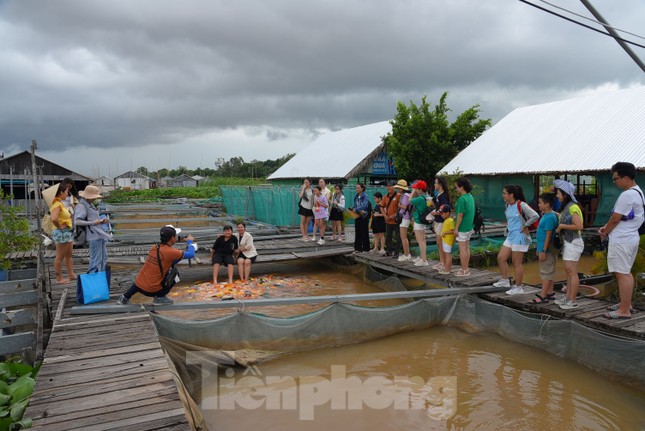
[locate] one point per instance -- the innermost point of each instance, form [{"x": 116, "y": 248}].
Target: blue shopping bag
[{"x": 94, "y": 287}]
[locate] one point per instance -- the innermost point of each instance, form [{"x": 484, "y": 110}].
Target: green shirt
[
  {"x": 466, "y": 205},
  {"x": 419, "y": 204}
]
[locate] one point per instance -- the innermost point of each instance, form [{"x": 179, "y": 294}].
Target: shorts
[
  {"x": 405, "y": 223},
  {"x": 336, "y": 215},
  {"x": 419, "y": 226},
  {"x": 464, "y": 236},
  {"x": 516, "y": 247},
  {"x": 378, "y": 225},
  {"x": 62, "y": 236},
  {"x": 252, "y": 259},
  {"x": 547, "y": 268},
  {"x": 572, "y": 251},
  {"x": 305, "y": 212},
  {"x": 447, "y": 248},
  {"x": 621, "y": 257},
  {"x": 225, "y": 259}
]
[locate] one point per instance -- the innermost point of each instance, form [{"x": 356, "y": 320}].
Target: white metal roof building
[
  {"x": 341, "y": 154},
  {"x": 585, "y": 134},
  {"x": 577, "y": 139}
]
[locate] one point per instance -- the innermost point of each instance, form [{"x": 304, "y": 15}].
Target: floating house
[
  {"x": 577, "y": 140},
  {"x": 183, "y": 181},
  {"x": 16, "y": 177},
  {"x": 344, "y": 157},
  {"x": 134, "y": 181}
]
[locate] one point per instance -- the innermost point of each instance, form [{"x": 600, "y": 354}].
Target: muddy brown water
[{"x": 449, "y": 378}]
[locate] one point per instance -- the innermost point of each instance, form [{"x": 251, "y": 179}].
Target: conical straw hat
[{"x": 49, "y": 194}]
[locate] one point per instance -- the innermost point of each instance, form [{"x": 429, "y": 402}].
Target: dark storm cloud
[{"x": 133, "y": 73}]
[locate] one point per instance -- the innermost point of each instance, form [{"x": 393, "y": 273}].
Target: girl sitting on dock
[
  {"x": 247, "y": 250},
  {"x": 222, "y": 253}
]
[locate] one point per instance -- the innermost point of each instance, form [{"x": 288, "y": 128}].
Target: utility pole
[{"x": 613, "y": 33}]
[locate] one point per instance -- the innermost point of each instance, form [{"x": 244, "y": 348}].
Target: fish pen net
[{"x": 247, "y": 339}]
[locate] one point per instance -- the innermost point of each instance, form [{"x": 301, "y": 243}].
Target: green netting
[
  {"x": 247, "y": 339},
  {"x": 276, "y": 205}
]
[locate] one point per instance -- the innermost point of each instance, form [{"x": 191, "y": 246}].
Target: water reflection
[{"x": 466, "y": 381}]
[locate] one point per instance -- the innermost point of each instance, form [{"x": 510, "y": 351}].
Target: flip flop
[
  {"x": 614, "y": 316},
  {"x": 462, "y": 273},
  {"x": 615, "y": 307}
]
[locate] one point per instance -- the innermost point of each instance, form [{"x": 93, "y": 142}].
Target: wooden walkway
[
  {"x": 478, "y": 277},
  {"x": 105, "y": 373},
  {"x": 589, "y": 313}
]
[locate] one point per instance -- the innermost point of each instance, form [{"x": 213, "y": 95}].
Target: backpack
[
  {"x": 478, "y": 221},
  {"x": 425, "y": 216},
  {"x": 534, "y": 225},
  {"x": 641, "y": 230},
  {"x": 80, "y": 234},
  {"x": 368, "y": 214}
]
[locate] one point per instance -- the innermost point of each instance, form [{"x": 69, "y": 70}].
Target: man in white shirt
[{"x": 622, "y": 229}]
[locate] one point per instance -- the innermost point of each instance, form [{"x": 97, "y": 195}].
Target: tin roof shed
[
  {"x": 341, "y": 154},
  {"x": 585, "y": 134}
]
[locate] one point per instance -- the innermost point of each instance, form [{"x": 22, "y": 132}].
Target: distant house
[
  {"x": 576, "y": 139},
  {"x": 198, "y": 178},
  {"x": 183, "y": 181},
  {"x": 165, "y": 181},
  {"x": 134, "y": 181},
  {"x": 16, "y": 176},
  {"x": 106, "y": 184}
]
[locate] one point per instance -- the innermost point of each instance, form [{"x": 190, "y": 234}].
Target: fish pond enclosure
[{"x": 320, "y": 338}]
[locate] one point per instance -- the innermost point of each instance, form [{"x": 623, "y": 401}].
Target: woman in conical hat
[{"x": 62, "y": 235}]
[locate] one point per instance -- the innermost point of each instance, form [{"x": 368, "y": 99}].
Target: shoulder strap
[
  {"x": 159, "y": 261},
  {"x": 638, "y": 191}
]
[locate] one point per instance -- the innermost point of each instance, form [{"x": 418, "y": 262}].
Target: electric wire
[
  {"x": 591, "y": 19},
  {"x": 581, "y": 24}
]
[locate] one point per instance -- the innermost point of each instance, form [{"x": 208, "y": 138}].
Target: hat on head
[
  {"x": 566, "y": 187},
  {"x": 445, "y": 208},
  {"x": 168, "y": 232},
  {"x": 90, "y": 192},
  {"x": 50, "y": 193},
  {"x": 420, "y": 184},
  {"x": 402, "y": 184}
]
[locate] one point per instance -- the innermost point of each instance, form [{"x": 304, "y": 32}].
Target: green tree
[{"x": 423, "y": 140}]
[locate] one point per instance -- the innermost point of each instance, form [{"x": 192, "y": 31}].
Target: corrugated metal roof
[
  {"x": 335, "y": 154},
  {"x": 576, "y": 135}
]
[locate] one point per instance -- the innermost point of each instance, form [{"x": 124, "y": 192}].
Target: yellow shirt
[
  {"x": 449, "y": 226},
  {"x": 64, "y": 217}
]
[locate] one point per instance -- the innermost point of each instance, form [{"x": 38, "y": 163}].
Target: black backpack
[
  {"x": 425, "y": 214},
  {"x": 478, "y": 221}
]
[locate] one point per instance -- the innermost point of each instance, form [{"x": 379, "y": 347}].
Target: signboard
[{"x": 383, "y": 165}]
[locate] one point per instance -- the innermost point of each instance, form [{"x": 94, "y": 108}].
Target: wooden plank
[
  {"x": 102, "y": 352},
  {"x": 19, "y": 298},
  {"x": 17, "y": 286},
  {"x": 15, "y": 343},
  {"x": 15, "y": 318},
  {"x": 42, "y": 398}
]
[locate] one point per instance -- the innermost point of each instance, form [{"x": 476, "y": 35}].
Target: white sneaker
[
  {"x": 561, "y": 300},
  {"x": 568, "y": 304},
  {"x": 313, "y": 238},
  {"x": 321, "y": 241},
  {"x": 503, "y": 282},
  {"x": 404, "y": 257},
  {"x": 515, "y": 290},
  {"x": 381, "y": 253},
  {"x": 373, "y": 251},
  {"x": 421, "y": 263},
  {"x": 417, "y": 259}
]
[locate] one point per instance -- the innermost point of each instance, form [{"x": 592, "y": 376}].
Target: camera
[{"x": 180, "y": 238}]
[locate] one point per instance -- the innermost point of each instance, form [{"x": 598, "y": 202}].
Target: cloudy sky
[{"x": 108, "y": 86}]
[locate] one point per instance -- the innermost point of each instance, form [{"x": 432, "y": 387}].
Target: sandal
[
  {"x": 540, "y": 299},
  {"x": 615, "y": 307},
  {"x": 550, "y": 296},
  {"x": 462, "y": 273},
  {"x": 614, "y": 316}
]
